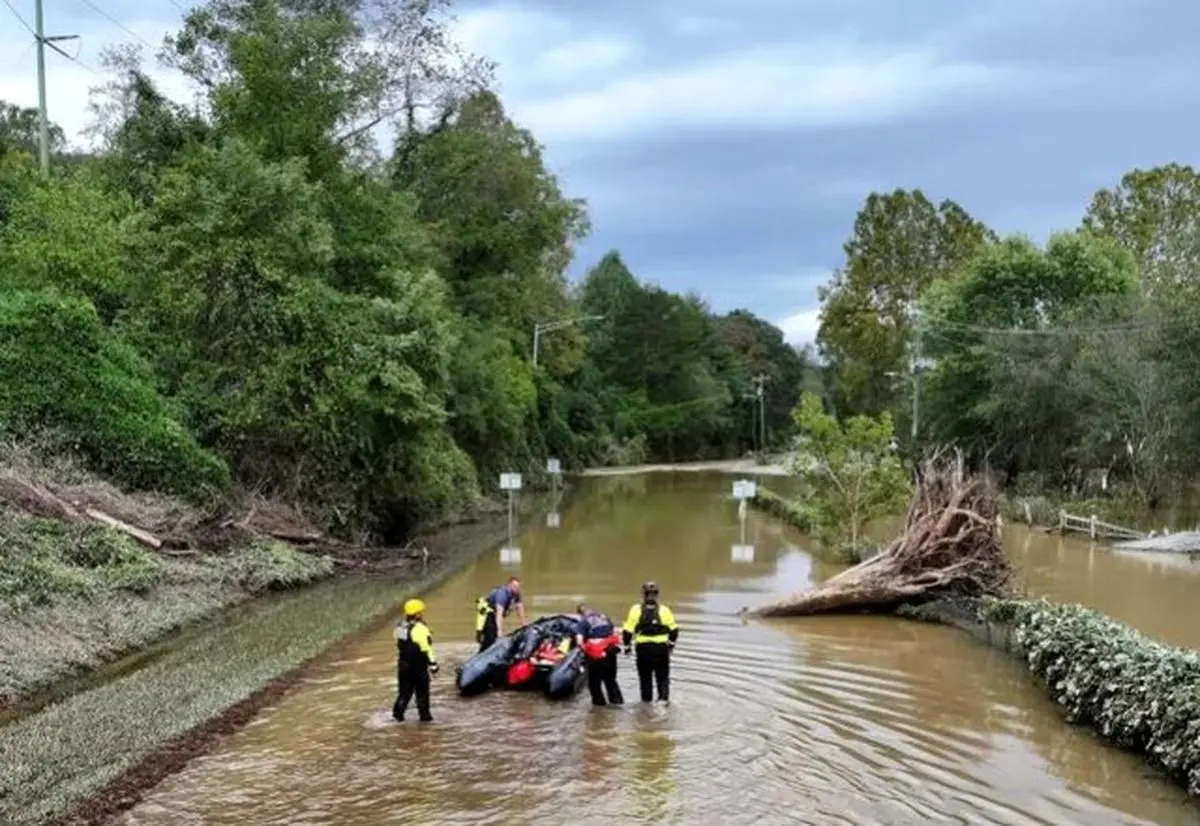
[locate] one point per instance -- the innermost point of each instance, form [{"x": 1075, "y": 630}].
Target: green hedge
[
  {"x": 1141, "y": 695},
  {"x": 781, "y": 508},
  {"x": 62, "y": 369}
]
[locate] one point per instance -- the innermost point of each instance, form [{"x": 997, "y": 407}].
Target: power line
[{"x": 117, "y": 23}]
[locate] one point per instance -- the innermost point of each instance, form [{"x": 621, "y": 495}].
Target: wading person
[
  {"x": 652, "y": 628},
  {"x": 416, "y": 661},
  {"x": 491, "y": 610},
  {"x": 600, "y": 642}
]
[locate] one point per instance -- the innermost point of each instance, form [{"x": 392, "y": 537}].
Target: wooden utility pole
[{"x": 759, "y": 393}]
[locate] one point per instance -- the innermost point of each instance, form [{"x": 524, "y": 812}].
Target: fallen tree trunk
[{"x": 950, "y": 547}]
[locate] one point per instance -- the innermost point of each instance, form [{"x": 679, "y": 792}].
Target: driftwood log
[{"x": 950, "y": 548}]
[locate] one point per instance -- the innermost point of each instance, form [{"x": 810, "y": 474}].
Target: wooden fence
[{"x": 1095, "y": 528}]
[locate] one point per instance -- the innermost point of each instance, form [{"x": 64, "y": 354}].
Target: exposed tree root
[{"x": 950, "y": 547}]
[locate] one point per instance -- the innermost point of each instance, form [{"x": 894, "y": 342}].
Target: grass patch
[
  {"x": 270, "y": 565},
  {"x": 44, "y": 559},
  {"x": 1139, "y": 694},
  {"x": 58, "y": 758},
  {"x": 75, "y": 596}
]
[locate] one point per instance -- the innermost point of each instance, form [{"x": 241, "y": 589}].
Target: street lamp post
[{"x": 548, "y": 326}]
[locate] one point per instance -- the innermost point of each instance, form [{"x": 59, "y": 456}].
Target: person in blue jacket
[{"x": 491, "y": 610}]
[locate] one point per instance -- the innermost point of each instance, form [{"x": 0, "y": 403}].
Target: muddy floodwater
[{"x": 838, "y": 720}]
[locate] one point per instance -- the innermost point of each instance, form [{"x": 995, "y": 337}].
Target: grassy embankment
[{"x": 78, "y": 594}]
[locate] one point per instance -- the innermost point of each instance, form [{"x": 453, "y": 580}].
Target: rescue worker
[
  {"x": 416, "y": 661},
  {"x": 653, "y": 629},
  {"x": 491, "y": 610},
  {"x": 600, "y": 642}
]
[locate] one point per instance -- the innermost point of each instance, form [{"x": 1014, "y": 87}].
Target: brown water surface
[{"x": 838, "y": 720}]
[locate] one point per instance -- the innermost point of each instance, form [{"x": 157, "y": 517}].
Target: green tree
[
  {"x": 902, "y": 243},
  {"x": 1155, "y": 215},
  {"x": 1004, "y": 340},
  {"x": 759, "y": 350},
  {"x": 847, "y": 472}
]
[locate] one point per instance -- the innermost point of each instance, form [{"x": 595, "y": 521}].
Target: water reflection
[{"x": 854, "y": 720}]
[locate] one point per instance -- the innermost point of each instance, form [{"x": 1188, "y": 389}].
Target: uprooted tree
[{"x": 950, "y": 548}]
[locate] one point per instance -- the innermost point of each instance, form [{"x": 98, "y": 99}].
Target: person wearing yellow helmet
[{"x": 416, "y": 662}]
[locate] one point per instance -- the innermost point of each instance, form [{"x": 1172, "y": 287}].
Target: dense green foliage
[
  {"x": 249, "y": 293},
  {"x": 848, "y": 473},
  {"x": 1068, "y": 367},
  {"x": 1139, "y": 694}
]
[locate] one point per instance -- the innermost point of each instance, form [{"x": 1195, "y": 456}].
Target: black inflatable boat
[{"x": 540, "y": 656}]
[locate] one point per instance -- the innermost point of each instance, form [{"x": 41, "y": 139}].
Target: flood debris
[{"x": 949, "y": 548}]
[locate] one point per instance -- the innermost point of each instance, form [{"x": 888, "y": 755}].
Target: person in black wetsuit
[
  {"x": 416, "y": 662},
  {"x": 598, "y": 638},
  {"x": 652, "y": 628}
]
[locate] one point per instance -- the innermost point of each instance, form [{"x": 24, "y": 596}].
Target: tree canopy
[
  {"x": 1052, "y": 363},
  {"x": 266, "y": 298}
]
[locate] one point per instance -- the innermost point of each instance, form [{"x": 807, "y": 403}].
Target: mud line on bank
[{"x": 467, "y": 544}]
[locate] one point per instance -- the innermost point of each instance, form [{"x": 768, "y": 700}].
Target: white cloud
[
  {"x": 756, "y": 88},
  {"x": 800, "y": 328},
  {"x": 596, "y": 86}
]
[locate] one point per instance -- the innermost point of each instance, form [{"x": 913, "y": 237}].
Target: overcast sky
[{"x": 724, "y": 147}]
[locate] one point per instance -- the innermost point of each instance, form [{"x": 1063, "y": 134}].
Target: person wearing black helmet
[{"x": 652, "y": 628}]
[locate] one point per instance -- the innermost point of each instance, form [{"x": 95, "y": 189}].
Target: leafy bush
[
  {"x": 41, "y": 559},
  {"x": 269, "y": 565},
  {"x": 60, "y": 367},
  {"x": 1141, "y": 695}
]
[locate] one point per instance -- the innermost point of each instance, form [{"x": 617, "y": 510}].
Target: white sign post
[
  {"x": 741, "y": 553},
  {"x": 510, "y": 482},
  {"x": 553, "y": 520},
  {"x": 743, "y": 490},
  {"x": 510, "y": 556}
]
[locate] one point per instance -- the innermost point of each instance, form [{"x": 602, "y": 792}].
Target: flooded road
[{"x": 838, "y": 720}]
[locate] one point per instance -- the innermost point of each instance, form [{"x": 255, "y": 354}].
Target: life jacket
[
  {"x": 599, "y": 636},
  {"x": 408, "y": 651},
  {"x": 650, "y": 624}
]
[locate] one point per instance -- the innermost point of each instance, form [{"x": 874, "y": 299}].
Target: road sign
[
  {"x": 744, "y": 489},
  {"x": 553, "y": 520},
  {"x": 510, "y": 481},
  {"x": 510, "y": 556},
  {"x": 741, "y": 553},
  {"x": 553, "y": 467}
]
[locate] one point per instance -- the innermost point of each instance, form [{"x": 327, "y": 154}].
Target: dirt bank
[{"x": 69, "y": 766}]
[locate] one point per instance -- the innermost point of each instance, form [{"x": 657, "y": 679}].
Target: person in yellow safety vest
[
  {"x": 653, "y": 629},
  {"x": 491, "y": 610},
  {"x": 416, "y": 661}
]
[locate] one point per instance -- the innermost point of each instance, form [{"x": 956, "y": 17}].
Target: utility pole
[
  {"x": 43, "y": 119},
  {"x": 758, "y": 383},
  {"x": 918, "y": 356}
]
